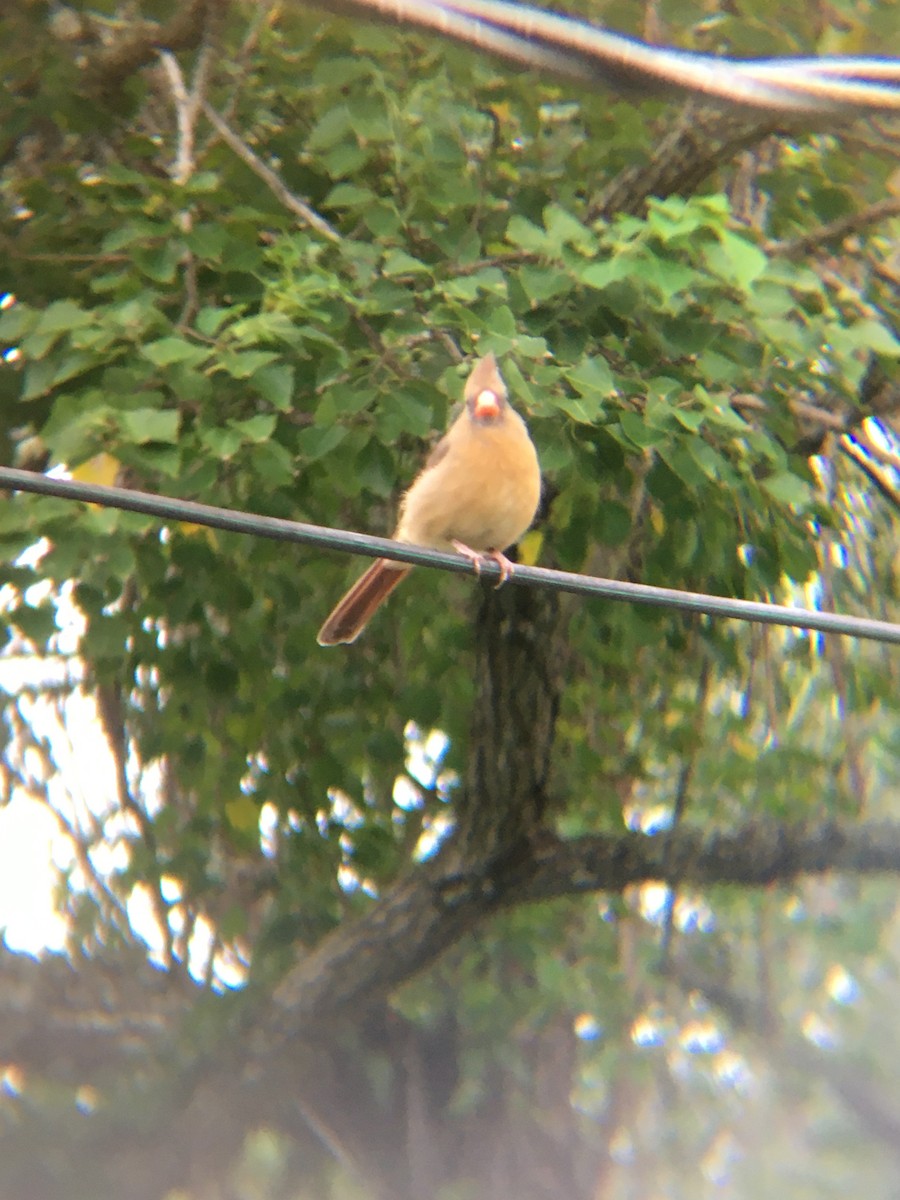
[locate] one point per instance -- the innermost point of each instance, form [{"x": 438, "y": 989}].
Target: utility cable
[
  {"x": 563, "y": 45},
  {"x": 278, "y": 528}
]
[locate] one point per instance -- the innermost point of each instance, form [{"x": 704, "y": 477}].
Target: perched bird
[{"x": 477, "y": 494}]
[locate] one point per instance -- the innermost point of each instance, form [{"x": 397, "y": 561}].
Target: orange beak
[{"x": 487, "y": 404}]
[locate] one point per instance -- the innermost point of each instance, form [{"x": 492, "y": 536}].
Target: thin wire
[
  {"x": 377, "y": 547},
  {"x": 558, "y": 43}
]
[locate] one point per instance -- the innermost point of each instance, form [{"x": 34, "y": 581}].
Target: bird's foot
[{"x": 476, "y": 558}]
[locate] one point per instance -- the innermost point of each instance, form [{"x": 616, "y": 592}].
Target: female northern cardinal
[{"x": 477, "y": 493}]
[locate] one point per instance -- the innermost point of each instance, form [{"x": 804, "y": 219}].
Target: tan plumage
[{"x": 477, "y": 493}]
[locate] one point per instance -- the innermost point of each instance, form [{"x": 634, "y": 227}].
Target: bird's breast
[{"x": 483, "y": 492}]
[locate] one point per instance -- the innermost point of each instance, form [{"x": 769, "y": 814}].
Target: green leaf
[
  {"x": 319, "y": 440},
  {"x": 638, "y": 431},
  {"x": 602, "y": 275},
  {"x": 37, "y": 380},
  {"x": 16, "y": 321},
  {"x": 592, "y": 377},
  {"x": 242, "y": 364},
  {"x": 273, "y": 463},
  {"x": 613, "y": 524},
  {"x": 710, "y": 462},
  {"x": 348, "y": 195},
  {"x": 203, "y": 183},
  {"x": 788, "y": 488},
  {"x": 674, "y": 217},
  {"x": 150, "y": 425},
  {"x": 62, "y": 316},
  {"x": 344, "y": 159},
  {"x": 398, "y": 262},
  {"x": 680, "y": 459},
  {"x": 334, "y": 127},
  {"x": 224, "y": 442},
  {"x": 868, "y": 334},
  {"x": 467, "y": 287},
  {"x": 736, "y": 259},
  {"x": 586, "y": 410},
  {"x": 543, "y": 283},
  {"x": 160, "y": 263},
  {"x": 406, "y": 413},
  {"x": 670, "y": 278},
  {"x": 689, "y": 419},
  {"x": 522, "y": 232},
  {"x": 243, "y": 814},
  {"x": 256, "y": 429},
  {"x": 382, "y": 219},
  {"x": 168, "y": 350},
  {"x": 207, "y": 242},
  {"x": 275, "y": 383},
  {"x": 37, "y": 624},
  {"x": 565, "y": 229},
  {"x": 717, "y": 369},
  {"x": 501, "y": 321}
]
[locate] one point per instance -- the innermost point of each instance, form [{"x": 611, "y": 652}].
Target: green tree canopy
[{"x": 408, "y": 934}]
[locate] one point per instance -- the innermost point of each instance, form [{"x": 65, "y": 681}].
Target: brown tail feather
[{"x": 355, "y": 609}]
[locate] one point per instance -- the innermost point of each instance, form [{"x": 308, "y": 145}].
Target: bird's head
[{"x": 486, "y": 392}]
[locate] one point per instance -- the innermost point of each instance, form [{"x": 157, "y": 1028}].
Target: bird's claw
[{"x": 476, "y": 558}]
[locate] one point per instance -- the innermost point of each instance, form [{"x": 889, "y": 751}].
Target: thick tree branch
[
  {"x": 132, "y": 46},
  {"x": 428, "y": 911},
  {"x": 114, "y": 1022},
  {"x": 755, "y": 855},
  {"x": 700, "y": 141},
  {"x": 424, "y": 914}
]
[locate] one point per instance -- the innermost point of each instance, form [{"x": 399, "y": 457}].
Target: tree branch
[
  {"x": 755, "y": 855},
  {"x": 419, "y": 918},
  {"x": 430, "y": 909},
  {"x": 134, "y": 45},
  {"x": 836, "y": 230},
  {"x": 269, "y": 177}
]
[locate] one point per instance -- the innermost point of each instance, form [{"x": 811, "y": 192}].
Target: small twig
[
  {"x": 835, "y": 230},
  {"x": 800, "y": 408},
  {"x": 842, "y": 287},
  {"x": 114, "y": 910},
  {"x": 831, "y": 420},
  {"x": 272, "y": 181},
  {"x": 92, "y": 259},
  {"x": 240, "y": 64},
  {"x": 185, "y": 116},
  {"x": 836, "y": 660},
  {"x": 884, "y": 454},
  {"x": 108, "y": 701},
  {"x": 678, "y": 811},
  {"x": 872, "y": 470},
  {"x": 187, "y": 106}
]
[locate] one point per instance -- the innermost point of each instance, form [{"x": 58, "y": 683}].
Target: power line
[
  {"x": 564, "y": 45},
  {"x": 377, "y": 547}
]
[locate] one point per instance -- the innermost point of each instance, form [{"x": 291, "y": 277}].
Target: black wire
[{"x": 378, "y": 547}]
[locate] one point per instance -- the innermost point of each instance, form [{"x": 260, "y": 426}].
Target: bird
[{"x": 477, "y": 494}]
